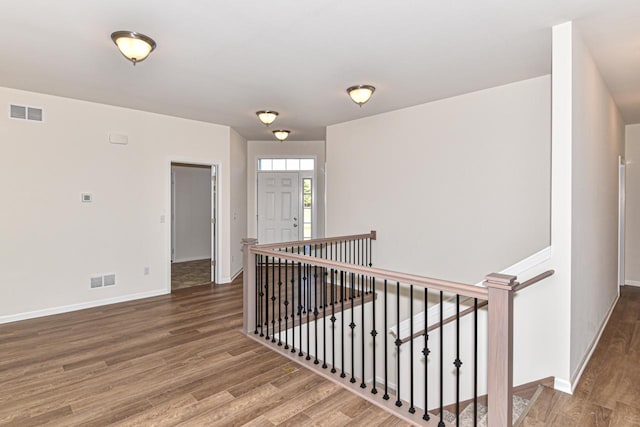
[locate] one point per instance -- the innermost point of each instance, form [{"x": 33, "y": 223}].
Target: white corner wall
[
  {"x": 288, "y": 149},
  {"x": 52, "y": 242},
  {"x": 238, "y": 204},
  {"x": 191, "y": 213},
  {"x": 632, "y": 228},
  {"x": 456, "y": 188},
  {"x": 598, "y": 140}
]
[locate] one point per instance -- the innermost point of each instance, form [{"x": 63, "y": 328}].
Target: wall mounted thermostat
[{"x": 87, "y": 198}]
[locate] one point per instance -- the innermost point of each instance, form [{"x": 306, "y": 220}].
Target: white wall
[
  {"x": 632, "y": 227},
  {"x": 238, "y": 199},
  {"x": 598, "y": 140},
  {"x": 51, "y": 242},
  {"x": 271, "y": 149},
  {"x": 456, "y": 188},
  {"x": 192, "y": 213}
]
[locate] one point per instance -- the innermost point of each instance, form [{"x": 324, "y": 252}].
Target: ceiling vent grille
[{"x": 22, "y": 112}]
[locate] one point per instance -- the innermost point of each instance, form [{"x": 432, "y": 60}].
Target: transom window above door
[{"x": 286, "y": 164}]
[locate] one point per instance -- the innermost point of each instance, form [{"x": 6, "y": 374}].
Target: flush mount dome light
[
  {"x": 133, "y": 46},
  {"x": 281, "y": 134},
  {"x": 267, "y": 117},
  {"x": 360, "y": 94}
]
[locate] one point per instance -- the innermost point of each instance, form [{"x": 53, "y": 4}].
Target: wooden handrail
[
  {"x": 371, "y": 235},
  {"x": 536, "y": 279},
  {"x": 481, "y": 304},
  {"x": 394, "y": 276},
  {"x": 444, "y": 322}
]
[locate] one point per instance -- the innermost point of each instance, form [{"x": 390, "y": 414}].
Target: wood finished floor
[
  {"x": 190, "y": 273},
  {"x": 178, "y": 359},
  {"x": 608, "y": 393}
]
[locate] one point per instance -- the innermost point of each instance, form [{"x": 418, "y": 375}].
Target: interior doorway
[
  {"x": 193, "y": 231},
  {"x": 621, "y": 220}
]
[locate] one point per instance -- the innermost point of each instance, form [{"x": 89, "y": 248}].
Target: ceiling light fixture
[
  {"x": 267, "y": 117},
  {"x": 281, "y": 134},
  {"x": 133, "y": 46},
  {"x": 360, "y": 94}
]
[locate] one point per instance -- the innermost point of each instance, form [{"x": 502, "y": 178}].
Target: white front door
[{"x": 278, "y": 207}]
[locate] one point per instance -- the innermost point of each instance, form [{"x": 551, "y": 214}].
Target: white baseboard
[
  {"x": 631, "y": 283},
  {"x": 562, "y": 385},
  {"x": 195, "y": 258},
  {"x": 80, "y": 306},
  {"x": 236, "y": 275},
  {"x": 594, "y": 344}
]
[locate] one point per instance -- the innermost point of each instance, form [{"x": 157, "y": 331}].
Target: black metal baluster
[
  {"x": 300, "y": 354},
  {"x": 273, "y": 299},
  {"x": 279, "y": 302},
  {"x": 293, "y": 305},
  {"x": 286, "y": 301},
  {"x": 342, "y": 290},
  {"x": 373, "y": 282},
  {"x": 386, "y": 361},
  {"x": 315, "y": 305},
  {"x": 261, "y": 307},
  {"x": 333, "y": 324},
  {"x": 457, "y": 363},
  {"x": 352, "y": 325},
  {"x": 441, "y": 423},
  {"x": 324, "y": 313},
  {"x": 374, "y": 390},
  {"x": 362, "y": 384},
  {"x": 426, "y": 352},
  {"x": 475, "y": 362},
  {"x": 398, "y": 344},
  {"x": 412, "y": 409},
  {"x": 307, "y": 280},
  {"x": 266, "y": 299}
]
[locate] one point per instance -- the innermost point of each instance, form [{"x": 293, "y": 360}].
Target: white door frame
[
  {"x": 621, "y": 220},
  {"x": 301, "y": 174},
  {"x": 216, "y": 272}
]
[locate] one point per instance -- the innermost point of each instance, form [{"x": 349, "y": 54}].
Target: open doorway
[{"x": 193, "y": 231}]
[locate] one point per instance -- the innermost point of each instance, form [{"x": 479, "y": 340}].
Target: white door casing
[{"x": 278, "y": 207}]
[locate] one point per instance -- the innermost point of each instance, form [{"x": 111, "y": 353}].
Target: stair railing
[{"x": 321, "y": 302}]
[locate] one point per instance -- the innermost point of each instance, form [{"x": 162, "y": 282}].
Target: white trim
[
  {"x": 632, "y": 283},
  {"x": 216, "y": 272},
  {"x": 314, "y": 191},
  {"x": 234, "y": 276},
  {"x": 188, "y": 259},
  {"x": 225, "y": 280},
  {"x": 562, "y": 385},
  {"x": 80, "y": 306},
  {"x": 516, "y": 269},
  {"x": 594, "y": 344}
]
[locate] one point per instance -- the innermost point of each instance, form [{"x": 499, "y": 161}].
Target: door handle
[
  {"x": 295, "y": 219},
  {"x": 295, "y": 225}
]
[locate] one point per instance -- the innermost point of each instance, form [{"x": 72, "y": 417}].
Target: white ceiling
[{"x": 220, "y": 61}]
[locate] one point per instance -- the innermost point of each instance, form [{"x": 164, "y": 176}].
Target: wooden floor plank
[
  {"x": 164, "y": 361},
  {"x": 609, "y": 390}
]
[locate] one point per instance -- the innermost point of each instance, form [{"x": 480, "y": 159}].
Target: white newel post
[
  {"x": 249, "y": 285},
  {"x": 500, "y": 349}
]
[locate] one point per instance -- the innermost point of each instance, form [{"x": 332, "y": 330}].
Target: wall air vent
[
  {"x": 34, "y": 114},
  {"x": 96, "y": 282},
  {"x": 17, "y": 112},
  {"x": 22, "y": 112},
  {"x": 109, "y": 279}
]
